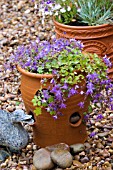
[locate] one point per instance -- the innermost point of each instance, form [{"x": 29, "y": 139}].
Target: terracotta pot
[
  {"x": 96, "y": 39},
  {"x": 46, "y": 130}
]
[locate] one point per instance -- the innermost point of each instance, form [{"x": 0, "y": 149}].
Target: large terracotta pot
[
  {"x": 96, "y": 39},
  {"x": 46, "y": 130}
]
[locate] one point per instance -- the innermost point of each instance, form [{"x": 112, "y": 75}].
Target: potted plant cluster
[
  {"x": 90, "y": 21},
  {"x": 58, "y": 82}
]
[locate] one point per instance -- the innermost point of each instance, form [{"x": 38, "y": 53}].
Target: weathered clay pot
[
  {"x": 46, "y": 130},
  {"x": 96, "y": 39}
]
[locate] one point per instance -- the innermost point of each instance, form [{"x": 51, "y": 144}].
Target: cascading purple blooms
[
  {"x": 62, "y": 58},
  {"x": 101, "y": 91}
]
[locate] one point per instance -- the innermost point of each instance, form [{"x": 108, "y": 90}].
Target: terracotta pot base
[{"x": 46, "y": 130}]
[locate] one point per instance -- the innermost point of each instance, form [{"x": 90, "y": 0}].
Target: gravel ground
[{"x": 18, "y": 25}]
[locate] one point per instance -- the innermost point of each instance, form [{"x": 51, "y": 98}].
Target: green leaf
[
  {"x": 40, "y": 70},
  {"x": 37, "y": 111},
  {"x": 89, "y": 109},
  {"x": 34, "y": 101},
  {"x": 52, "y": 113},
  {"x": 44, "y": 104},
  {"x": 51, "y": 99},
  {"x": 17, "y": 103},
  {"x": 85, "y": 113},
  {"x": 39, "y": 103}
]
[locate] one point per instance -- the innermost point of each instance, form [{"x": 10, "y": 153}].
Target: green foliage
[
  {"x": 70, "y": 11},
  {"x": 95, "y": 12},
  {"x": 37, "y": 111}
]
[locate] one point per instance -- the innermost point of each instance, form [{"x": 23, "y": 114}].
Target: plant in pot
[
  {"x": 90, "y": 21},
  {"x": 57, "y": 84}
]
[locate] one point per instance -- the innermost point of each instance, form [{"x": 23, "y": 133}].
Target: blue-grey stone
[
  {"x": 3, "y": 155},
  {"x": 12, "y": 133}
]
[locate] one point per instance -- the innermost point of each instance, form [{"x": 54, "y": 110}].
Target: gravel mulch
[{"x": 19, "y": 24}]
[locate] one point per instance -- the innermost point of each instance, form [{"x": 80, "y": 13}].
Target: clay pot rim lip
[
  {"x": 35, "y": 75},
  {"x": 81, "y": 27}
]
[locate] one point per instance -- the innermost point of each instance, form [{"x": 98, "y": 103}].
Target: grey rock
[
  {"x": 3, "y": 155},
  {"x": 41, "y": 36},
  {"x": 76, "y": 148},
  {"x": 58, "y": 146},
  {"x": 12, "y": 133},
  {"x": 4, "y": 41},
  {"x": 62, "y": 158},
  {"x": 14, "y": 42},
  {"x": 84, "y": 160},
  {"x": 87, "y": 145},
  {"x": 42, "y": 160},
  {"x": 103, "y": 134}
]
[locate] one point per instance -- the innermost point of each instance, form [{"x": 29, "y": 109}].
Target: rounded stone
[
  {"x": 58, "y": 146},
  {"x": 62, "y": 158},
  {"x": 85, "y": 159},
  {"x": 76, "y": 148},
  {"x": 42, "y": 160}
]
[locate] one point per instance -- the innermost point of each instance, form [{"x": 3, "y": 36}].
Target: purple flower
[
  {"x": 62, "y": 105},
  {"x": 107, "y": 61},
  {"x": 99, "y": 117},
  {"x": 58, "y": 95},
  {"x": 76, "y": 87},
  {"x": 111, "y": 106},
  {"x": 55, "y": 88},
  {"x": 46, "y": 94},
  {"x": 64, "y": 32},
  {"x": 72, "y": 92},
  {"x": 55, "y": 117},
  {"x": 43, "y": 101},
  {"x": 46, "y": 9},
  {"x": 111, "y": 99},
  {"x": 90, "y": 88},
  {"x": 42, "y": 81},
  {"x": 92, "y": 76},
  {"x": 52, "y": 81},
  {"x": 65, "y": 86},
  {"x": 81, "y": 104},
  {"x": 86, "y": 117},
  {"x": 92, "y": 134},
  {"x": 28, "y": 63},
  {"x": 54, "y": 72}
]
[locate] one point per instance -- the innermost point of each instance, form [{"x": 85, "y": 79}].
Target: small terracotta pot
[
  {"x": 96, "y": 39},
  {"x": 46, "y": 130}
]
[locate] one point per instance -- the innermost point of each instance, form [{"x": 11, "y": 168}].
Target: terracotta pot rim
[
  {"x": 81, "y": 27},
  {"x": 36, "y": 75}
]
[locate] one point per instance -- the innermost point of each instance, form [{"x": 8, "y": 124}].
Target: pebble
[
  {"x": 103, "y": 134},
  {"x": 27, "y": 11},
  {"x": 77, "y": 157},
  {"x": 87, "y": 145},
  {"x": 84, "y": 159},
  {"x": 62, "y": 158},
  {"x": 58, "y": 146},
  {"x": 42, "y": 159},
  {"x": 75, "y": 148},
  {"x": 100, "y": 146},
  {"x": 77, "y": 164},
  {"x": 111, "y": 116}
]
